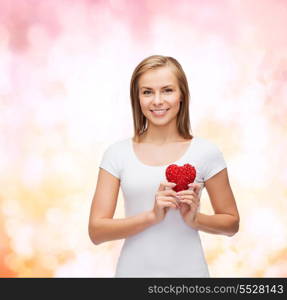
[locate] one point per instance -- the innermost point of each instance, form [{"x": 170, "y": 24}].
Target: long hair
[{"x": 139, "y": 119}]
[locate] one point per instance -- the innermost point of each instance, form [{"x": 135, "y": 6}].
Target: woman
[{"x": 161, "y": 226}]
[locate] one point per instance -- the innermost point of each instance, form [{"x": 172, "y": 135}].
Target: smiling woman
[
  {"x": 160, "y": 222},
  {"x": 163, "y": 81},
  {"x": 159, "y": 96}
]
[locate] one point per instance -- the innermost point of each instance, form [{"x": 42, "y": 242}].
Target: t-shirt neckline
[{"x": 162, "y": 166}]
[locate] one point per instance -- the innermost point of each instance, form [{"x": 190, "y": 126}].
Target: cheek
[
  {"x": 144, "y": 108},
  {"x": 175, "y": 100},
  {"x": 143, "y": 104},
  {"x": 175, "y": 103}
]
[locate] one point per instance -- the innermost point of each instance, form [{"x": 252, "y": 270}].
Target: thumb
[
  {"x": 165, "y": 184},
  {"x": 195, "y": 187}
]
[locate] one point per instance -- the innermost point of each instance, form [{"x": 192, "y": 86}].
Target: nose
[{"x": 157, "y": 99}]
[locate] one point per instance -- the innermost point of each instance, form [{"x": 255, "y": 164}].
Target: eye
[
  {"x": 168, "y": 90},
  {"x": 146, "y": 92}
]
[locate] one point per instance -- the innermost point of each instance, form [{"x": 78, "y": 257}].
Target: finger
[
  {"x": 166, "y": 184},
  {"x": 189, "y": 202},
  {"x": 190, "y": 186},
  {"x": 186, "y": 192},
  {"x": 195, "y": 198},
  {"x": 169, "y": 186},
  {"x": 190, "y": 206},
  {"x": 169, "y": 193},
  {"x": 165, "y": 203},
  {"x": 170, "y": 199},
  {"x": 166, "y": 195},
  {"x": 195, "y": 187},
  {"x": 173, "y": 206}
]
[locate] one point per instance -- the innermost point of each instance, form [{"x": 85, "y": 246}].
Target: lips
[
  {"x": 160, "y": 109},
  {"x": 159, "y": 113}
]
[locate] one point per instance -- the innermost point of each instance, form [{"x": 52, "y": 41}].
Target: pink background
[{"x": 65, "y": 68}]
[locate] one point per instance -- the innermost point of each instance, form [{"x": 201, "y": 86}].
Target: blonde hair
[{"x": 139, "y": 119}]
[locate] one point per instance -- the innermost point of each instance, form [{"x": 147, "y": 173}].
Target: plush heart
[{"x": 182, "y": 176}]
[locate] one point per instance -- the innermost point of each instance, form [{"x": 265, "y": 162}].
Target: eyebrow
[{"x": 146, "y": 87}]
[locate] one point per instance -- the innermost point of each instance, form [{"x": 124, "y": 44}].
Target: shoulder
[
  {"x": 117, "y": 147},
  {"x": 206, "y": 145},
  {"x": 114, "y": 156},
  {"x": 211, "y": 158}
]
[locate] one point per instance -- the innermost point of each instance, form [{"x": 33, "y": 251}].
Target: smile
[{"x": 159, "y": 112}]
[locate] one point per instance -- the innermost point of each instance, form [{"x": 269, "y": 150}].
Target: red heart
[{"x": 182, "y": 176}]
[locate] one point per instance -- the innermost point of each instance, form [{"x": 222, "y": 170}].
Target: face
[{"x": 159, "y": 95}]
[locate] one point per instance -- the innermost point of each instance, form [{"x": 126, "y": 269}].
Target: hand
[
  {"x": 165, "y": 199},
  {"x": 189, "y": 204}
]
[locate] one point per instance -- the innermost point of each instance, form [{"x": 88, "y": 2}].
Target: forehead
[{"x": 158, "y": 77}]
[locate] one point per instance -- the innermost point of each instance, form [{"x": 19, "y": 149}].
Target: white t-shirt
[{"x": 170, "y": 248}]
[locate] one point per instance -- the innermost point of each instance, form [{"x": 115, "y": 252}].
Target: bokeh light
[{"x": 64, "y": 97}]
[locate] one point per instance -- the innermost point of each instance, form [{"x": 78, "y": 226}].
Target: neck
[{"x": 159, "y": 135}]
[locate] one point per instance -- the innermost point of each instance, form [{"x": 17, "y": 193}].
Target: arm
[
  {"x": 102, "y": 226},
  {"x": 225, "y": 220}
]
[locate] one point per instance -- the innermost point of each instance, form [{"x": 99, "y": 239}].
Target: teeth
[{"x": 160, "y": 112}]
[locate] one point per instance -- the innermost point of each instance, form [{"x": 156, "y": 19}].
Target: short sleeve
[
  {"x": 214, "y": 162},
  {"x": 110, "y": 161}
]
